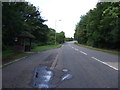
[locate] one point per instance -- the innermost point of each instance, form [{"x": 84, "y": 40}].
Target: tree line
[
  {"x": 100, "y": 27},
  {"x": 18, "y": 17}
]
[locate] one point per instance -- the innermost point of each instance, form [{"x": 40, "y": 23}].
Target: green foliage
[
  {"x": 98, "y": 49},
  {"x": 10, "y": 55},
  {"x": 69, "y": 39},
  {"x": 60, "y": 37},
  {"x": 41, "y": 48},
  {"x": 100, "y": 26},
  {"x": 51, "y": 35},
  {"x": 19, "y": 17}
]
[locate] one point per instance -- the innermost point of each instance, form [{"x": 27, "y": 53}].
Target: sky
[{"x": 63, "y": 15}]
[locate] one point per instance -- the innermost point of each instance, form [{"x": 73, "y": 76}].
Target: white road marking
[
  {"x": 104, "y": 63},
  {"x": 55, "y": 61},
  {"x": 80, "y": 51},
  {"x": 12, "y": 62},
  {"x": 83, "y": 52},
  {"x": 97, "y": 59},
  {"x": 76, "y": 49}
]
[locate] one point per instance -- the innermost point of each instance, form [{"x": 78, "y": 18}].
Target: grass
[
  {"x": 11, "y": 55},
  {"x": 99, "y": 49},
  {"x": 47, "y": 47}
]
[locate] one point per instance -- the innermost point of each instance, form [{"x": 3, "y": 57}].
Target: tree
[
  {"x": 100, "y": 26},
  {"x": 19, "y": 17},
  {"x": 51, "y": 36},
  {"x": 60, "y": 37},
  {"x": 69, "y": 39}
]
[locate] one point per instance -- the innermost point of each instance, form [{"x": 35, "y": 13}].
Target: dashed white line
[
  {"x": 72, "y": 47},
  {"x": 76, "y": 49},
  {"x": 97, "y": 59},
  {"x": 104, "y": 63},
  {"x": 83, "y": 52},
  {"x": 80, "y": 51}
]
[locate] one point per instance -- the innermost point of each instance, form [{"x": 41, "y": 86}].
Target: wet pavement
[
  {"x": 20, "y": 73},
  {"x": 72, "y": 70},
  {"x": 45, "y": 78}
]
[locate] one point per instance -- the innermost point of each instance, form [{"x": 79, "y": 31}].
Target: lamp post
[{"x": 55, "y": 30}]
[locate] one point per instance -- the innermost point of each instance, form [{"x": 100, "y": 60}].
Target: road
[{"x": 89, "y": 68}]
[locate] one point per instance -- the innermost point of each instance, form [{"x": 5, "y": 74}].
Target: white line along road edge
[
  {"x": 104, "y": 63},
  {"x": 12, "y": 61}
]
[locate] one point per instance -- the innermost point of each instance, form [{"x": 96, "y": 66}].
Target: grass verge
[
  {"x": 99, "y": 49},
  {"x": 11, "y": 55},
  {"x": 47, "y": 47}
]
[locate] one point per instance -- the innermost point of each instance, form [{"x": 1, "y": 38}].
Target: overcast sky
[{"x": 66, "y": 13}]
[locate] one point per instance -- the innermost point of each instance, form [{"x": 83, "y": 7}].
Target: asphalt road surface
[{"x": 89, "y": 68}]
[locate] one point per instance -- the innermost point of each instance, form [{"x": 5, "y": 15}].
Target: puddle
[{"x": 44, "y": 78}]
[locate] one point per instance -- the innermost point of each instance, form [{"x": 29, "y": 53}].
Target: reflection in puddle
[
  {"x": 65, "y": 70},
  {"x": 43, "y": 78},
  {"x": 65, "y": 77}
]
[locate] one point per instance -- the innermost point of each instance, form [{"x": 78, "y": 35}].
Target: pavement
[
  {"x": 20, "y": 73},
  {"x": 89, "y": 68}
]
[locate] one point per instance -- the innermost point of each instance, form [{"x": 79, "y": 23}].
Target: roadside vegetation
[
  {"x": 47, "y": 47},
  {"x": 100, "y": 27},
  {"x": 22, "y": 20},
  {"x": 68, "y": 39},
  {"x": 99, "y": 49},
  {"x": 10, "y": 54}
]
